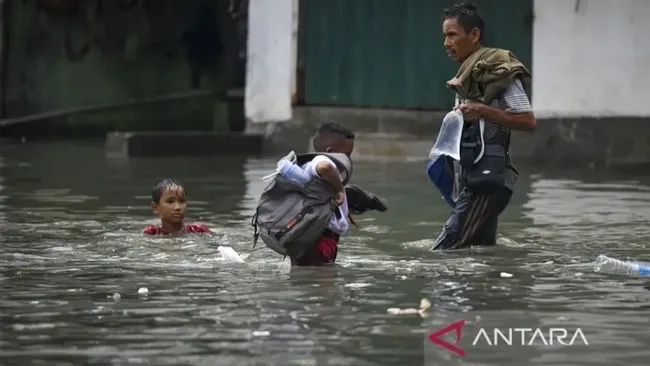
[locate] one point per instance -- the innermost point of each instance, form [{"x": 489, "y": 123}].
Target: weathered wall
[
  {"x": 271, "y": 62},
  {"x": 587, "y": 59},
  {"x": 345, "y": 65},
  {"x": 590, "y": 58},
  {"x": 390, "y": 54},
  {"x": 111, "y": 51}
]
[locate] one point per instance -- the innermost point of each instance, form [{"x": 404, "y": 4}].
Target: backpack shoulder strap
[{"x": 342, "y": 161}]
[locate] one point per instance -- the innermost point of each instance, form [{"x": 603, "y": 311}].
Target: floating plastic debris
[
  {"x": 425, "y": 305},
  {"x": 605, "y": 264},
  {"x": 230, "y": 255}
]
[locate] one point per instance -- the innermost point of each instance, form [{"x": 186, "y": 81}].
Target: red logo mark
[{"x": 458, "y": 328}]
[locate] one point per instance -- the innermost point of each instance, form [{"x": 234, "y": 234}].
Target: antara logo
[
  {"x": 509, "y": 337},
  {"x": 457, "y": 327}
]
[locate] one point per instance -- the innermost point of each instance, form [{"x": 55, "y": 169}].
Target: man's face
[
  {"x": 458, "y": 43},
  {"x": 172, "y": 206}
]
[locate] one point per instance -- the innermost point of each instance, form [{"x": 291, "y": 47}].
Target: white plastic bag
[
  {"x": 448, "y": 141},
  {"x": 230, "y": 255}
]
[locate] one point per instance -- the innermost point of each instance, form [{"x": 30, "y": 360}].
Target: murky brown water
[{"x": 70, "y": 222}]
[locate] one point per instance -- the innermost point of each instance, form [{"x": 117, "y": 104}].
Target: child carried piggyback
[
  {"x": 329, "y": 138},
  {"x": 305, "y": 210}
]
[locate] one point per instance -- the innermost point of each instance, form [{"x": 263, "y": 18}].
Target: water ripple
[{"x": 73, "y": 260}]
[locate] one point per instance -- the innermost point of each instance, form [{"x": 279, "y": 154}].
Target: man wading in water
[{"x": 492, "y": 89}]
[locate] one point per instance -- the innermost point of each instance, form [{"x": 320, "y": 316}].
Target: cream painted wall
[
  {"x": 593, "y": 61},
  {"x": 271, "y": 64}
]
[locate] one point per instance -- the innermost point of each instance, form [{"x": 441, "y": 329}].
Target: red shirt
[{"x": 187, "y": 229}]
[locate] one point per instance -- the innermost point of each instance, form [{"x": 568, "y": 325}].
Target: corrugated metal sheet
[{"x": 389, "y": 53}]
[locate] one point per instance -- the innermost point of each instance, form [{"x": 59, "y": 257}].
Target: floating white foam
[{"x": 357, "y": 285}]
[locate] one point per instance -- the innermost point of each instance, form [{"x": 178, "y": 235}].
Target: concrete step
[{"x": 181, "y": 143}]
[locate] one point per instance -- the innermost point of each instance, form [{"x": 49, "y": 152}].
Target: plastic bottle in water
[
  {"x": 293, "y": 172},
  {"x": 448, "y": 141},
  {"x": 606, "y": 264}
]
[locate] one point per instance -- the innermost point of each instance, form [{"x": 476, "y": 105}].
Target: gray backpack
[{"x": 291, "y": 217}]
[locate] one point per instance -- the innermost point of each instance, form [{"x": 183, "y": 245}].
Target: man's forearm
[{"x": 517, "y": 121}]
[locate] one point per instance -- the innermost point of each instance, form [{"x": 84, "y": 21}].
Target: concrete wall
[
  {"x": 108, "y": 53},
  {"x": 272, "y": 57},
  {"x": 590, "y": 58}
]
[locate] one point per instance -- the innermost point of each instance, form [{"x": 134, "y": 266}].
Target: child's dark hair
[
  {"x": 327, "y": 134},
  {"x": 160, "y": 187},
  {"x": 467, "y": 16}
]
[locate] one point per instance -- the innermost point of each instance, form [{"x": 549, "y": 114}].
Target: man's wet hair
[
  {"x": 467, "y": 16},
  {"x": 330, "y": 133},
  {"x": 160, "y": 187}
]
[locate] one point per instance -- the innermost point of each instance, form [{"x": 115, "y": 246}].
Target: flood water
[{"x": 70, "y": 223}]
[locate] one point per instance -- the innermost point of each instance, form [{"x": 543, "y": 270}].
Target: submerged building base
[
  {"x": 181, "y": 143},
  {"x": 409, "y": 135}
]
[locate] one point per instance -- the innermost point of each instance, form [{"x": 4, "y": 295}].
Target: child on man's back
[
  {"x": 169, "y": 202},
  {"x": 329, "y": 138}
]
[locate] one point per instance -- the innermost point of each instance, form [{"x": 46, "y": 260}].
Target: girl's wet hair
[{"x": 160, "y": 187}]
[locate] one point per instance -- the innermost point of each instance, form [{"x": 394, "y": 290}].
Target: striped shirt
[{"x": 513, "y": 100}]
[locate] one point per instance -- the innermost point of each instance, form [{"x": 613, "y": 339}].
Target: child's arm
[
  {"x": 325, "y": 168},
  {"x": 331, "y": 174}
]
